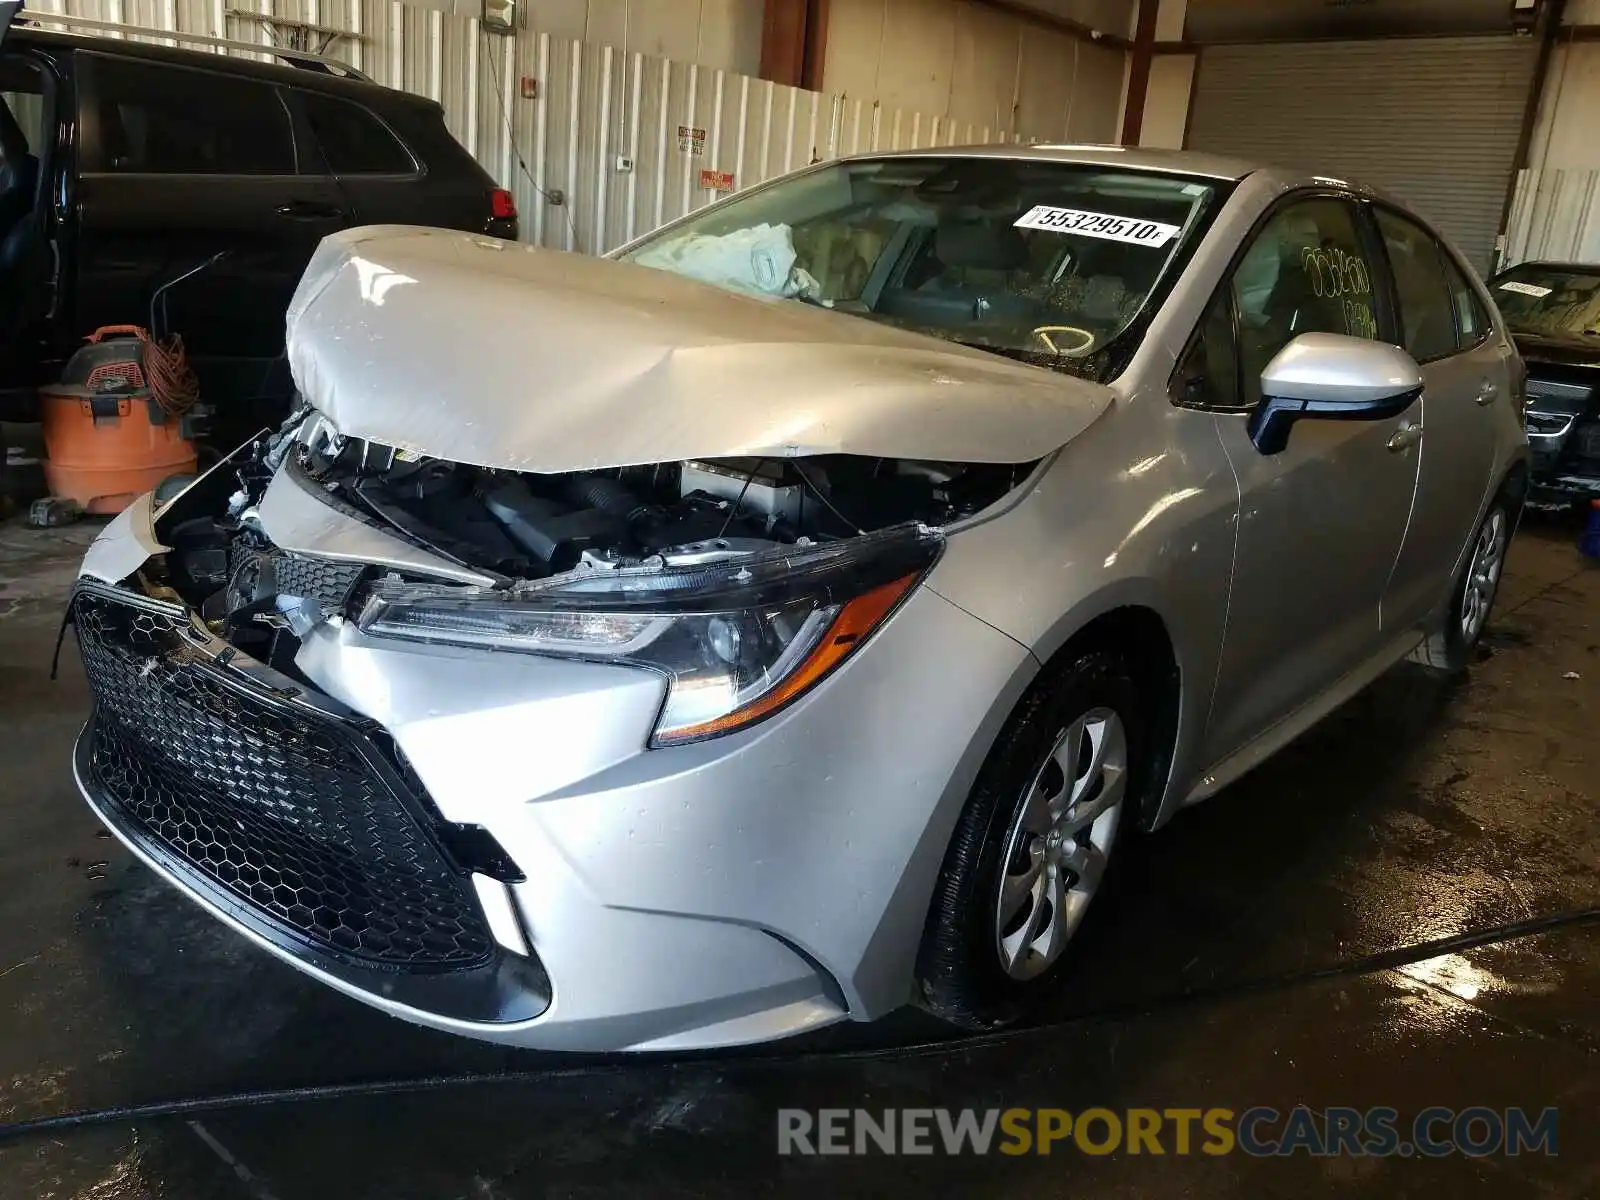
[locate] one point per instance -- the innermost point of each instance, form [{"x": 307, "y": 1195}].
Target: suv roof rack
[{"x": 303, "y": 59}]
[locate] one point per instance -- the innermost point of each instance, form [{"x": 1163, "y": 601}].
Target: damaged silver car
[{"x": 789, "y": 617}]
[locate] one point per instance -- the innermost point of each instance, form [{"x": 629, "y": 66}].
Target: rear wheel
[
  {"x": 1450, "y": 648},
  {"x": 1032, "y": 848}
]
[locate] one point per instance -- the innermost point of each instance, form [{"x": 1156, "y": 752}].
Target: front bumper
[
  {"x": 730, "y": 891},
  {"x": 1563, "y": 487}
]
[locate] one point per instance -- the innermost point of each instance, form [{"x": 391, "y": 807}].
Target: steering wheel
[{"x": 1083, "y": 347}]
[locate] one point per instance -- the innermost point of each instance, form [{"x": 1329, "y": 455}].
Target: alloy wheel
[
  {"x": 1060, "y": 842},
  {"x": 1483, "y": 575}
]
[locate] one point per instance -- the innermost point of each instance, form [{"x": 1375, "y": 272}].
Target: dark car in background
[
  {"x": 123, "y": 165},
  {"x": 1553, "y": 311}
]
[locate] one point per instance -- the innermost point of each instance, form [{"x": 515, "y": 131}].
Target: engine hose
[{"x": 619, "y": 1064}]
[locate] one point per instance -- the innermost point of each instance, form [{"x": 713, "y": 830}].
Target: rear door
[
  {"x": 33, "y": 84},
  {"x": 182, "y": 164},
  {"x": 373, "y": 168},
  {"x": 1466, "y": 374}
]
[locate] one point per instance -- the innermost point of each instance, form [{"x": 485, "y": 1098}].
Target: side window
[
  {"x": 353, "y": 141},
  {"x": 1305, "y": 272},
  {"x": 22, "y": 92},
  {"x": 1209, "y": 374},
  {"x": 158, "y": 119},
  {"x": 1472, "y": 318},
  {"x": 1427, "y": 312}
]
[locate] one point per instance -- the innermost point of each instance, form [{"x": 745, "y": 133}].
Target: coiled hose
[{"x": 164, "y": 364}]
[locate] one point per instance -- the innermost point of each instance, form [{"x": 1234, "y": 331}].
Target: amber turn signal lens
[{"x": 856, "y": 620}]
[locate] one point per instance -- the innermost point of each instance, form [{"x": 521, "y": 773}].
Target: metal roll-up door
[{"x": 1436, "y": 121}]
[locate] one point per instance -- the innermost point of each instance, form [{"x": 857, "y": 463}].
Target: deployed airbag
[{"x": 759, "y": 261}]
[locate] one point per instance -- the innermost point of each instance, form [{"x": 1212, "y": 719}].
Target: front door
[
  {"x": 1466, "y": 375},
  {"x": 29, "y": 225},
  {"x": 1321, "y": 523},
  {"x": 182, "y": 165}
]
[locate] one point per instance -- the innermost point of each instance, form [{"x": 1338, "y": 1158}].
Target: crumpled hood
[{"x": 502, "y": 355}]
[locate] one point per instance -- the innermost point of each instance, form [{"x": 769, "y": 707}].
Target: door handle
[
  {"x": 308, "y": 210},
  {"x": 1407, "y": 436},
  {"x": 1489, "y": 392}
]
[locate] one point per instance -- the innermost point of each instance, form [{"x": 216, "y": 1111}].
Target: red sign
[{"x": 717, "y": 181}]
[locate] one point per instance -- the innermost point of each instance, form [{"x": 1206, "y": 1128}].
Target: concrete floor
[{"x": 1228, "y": 971}]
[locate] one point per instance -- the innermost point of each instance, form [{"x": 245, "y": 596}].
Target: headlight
[{"x": 737, "y": 640}]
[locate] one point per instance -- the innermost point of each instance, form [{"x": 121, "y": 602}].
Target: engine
[{"x": 523, "y": 526}]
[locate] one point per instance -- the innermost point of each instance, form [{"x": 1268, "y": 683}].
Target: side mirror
[{"x": 1332, "y": 377}]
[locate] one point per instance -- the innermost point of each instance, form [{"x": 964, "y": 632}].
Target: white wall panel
[
  {"x": 730, "y": 35},
  {"x": 1096, "y": 95},
  {"x": 917, "y": 58},
  {"x": 968, "y": 63},
  {"x": 1045, "y": 78},
  {"x": 1166, "y": 102},
  {"x": 1170, "y": 20},
  {"x": 855, "y": 44},
  {"x": 1564, "y": 138},
  {"x": 1108, "y": 16},
  {"x": 1555, "y": 215},
  {"x": 983, "y": 79}
]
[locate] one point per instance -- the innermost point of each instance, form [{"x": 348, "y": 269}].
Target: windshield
[
  {"x": 1045, "y": 261},
  {"x": 1550, "y": 301}
]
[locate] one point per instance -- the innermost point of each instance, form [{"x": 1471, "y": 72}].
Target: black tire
[
  {"x": 1450, "y": 649},
  {"x": 960, "y": 976}
]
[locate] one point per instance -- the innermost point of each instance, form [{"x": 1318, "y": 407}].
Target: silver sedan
[{"x": 787, "y": 618}]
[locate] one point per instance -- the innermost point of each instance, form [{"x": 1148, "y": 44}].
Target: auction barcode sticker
[
  {"x": 1097, "y": 225},
  {"x": 1526, "y": 289}
]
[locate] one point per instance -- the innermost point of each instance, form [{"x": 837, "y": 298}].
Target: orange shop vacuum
[{"x": 121, "y": 420}]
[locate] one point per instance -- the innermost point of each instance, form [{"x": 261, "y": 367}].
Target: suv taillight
[{"x": 502, "y": 204}]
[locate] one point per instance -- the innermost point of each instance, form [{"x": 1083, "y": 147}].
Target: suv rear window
[
  {"x": 158, "y": 119},
  {"x": 353, "y": 141}
]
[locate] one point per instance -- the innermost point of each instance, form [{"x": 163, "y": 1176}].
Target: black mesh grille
[
  {"x": 280, "y": 805},
  {"x": 261, "y": 574},
  {"x": 330, "y": 583}
]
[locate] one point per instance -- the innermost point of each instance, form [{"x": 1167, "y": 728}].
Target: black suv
[{"x": 123, "y": 165}]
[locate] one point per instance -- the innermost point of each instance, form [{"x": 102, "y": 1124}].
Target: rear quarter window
[{"x": 353, "y": 140}]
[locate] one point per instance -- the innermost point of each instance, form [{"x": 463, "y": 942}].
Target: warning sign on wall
[
  {"x": 691, "y": 140},
  {"x": 717, "y": 181}
]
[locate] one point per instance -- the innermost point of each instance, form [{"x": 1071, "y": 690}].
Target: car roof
[
  {"x": 1543, "y": 264},
  {"x": 1180, "y": 162},
  {"x": 210, "y": 60},
  {"x": 1224, "y": 168}
]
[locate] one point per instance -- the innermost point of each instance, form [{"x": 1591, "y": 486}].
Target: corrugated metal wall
[
  {"x": 594, "y": 105},
  {"x": 1435, "y": 120},
  {"x": 1555, "y": 216},
  {"x": 1555, "y": 213}
]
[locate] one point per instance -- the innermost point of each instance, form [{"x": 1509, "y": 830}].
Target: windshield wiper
[{"x": 1017, "y": 353}]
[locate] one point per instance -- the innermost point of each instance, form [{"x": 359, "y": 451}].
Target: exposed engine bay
[{"x": 520, "y": 527}]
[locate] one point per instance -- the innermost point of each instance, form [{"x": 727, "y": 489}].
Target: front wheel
[
  {"x": 1032, "y": 847},
  {"x": 1449, "y": 650}
]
